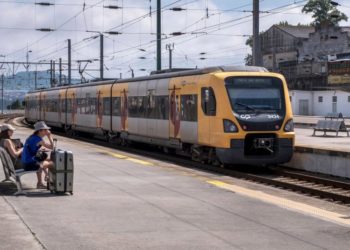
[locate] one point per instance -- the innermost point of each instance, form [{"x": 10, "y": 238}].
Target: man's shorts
[{"x": 31, "y": 166}]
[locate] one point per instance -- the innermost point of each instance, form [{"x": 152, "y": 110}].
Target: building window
[
  {"x": 320, "y": 99},
  {"x": 334, "y": 99}
]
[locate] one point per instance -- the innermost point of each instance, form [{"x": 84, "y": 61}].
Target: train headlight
[
  {"x": 289, "y": 127},
  {"x": 230, "y": 127}
]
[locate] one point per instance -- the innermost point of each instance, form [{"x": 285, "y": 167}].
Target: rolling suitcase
[{"x": 61, "y": 175}]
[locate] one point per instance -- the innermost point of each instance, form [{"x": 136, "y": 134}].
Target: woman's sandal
[{"x": 40, "y": 186}]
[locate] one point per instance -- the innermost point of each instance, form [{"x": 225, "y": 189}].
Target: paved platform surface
[{"x": 123, "y": 201}]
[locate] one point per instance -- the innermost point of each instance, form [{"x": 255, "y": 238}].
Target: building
[
  {"x": 302, "y": 53},
  {"x": 320, "y": 103}
]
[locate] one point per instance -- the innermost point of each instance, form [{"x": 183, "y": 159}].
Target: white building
[{"x": 320, "y": 103}]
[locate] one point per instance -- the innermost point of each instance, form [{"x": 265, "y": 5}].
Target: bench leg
[
  {"x": 19, "y": 187},
  {"x": 314, "y": 133}
]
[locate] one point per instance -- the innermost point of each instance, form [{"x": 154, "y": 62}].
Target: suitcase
[{"x": 61, "y": 175}]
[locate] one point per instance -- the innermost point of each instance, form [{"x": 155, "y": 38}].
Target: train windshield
[{"x": 256, "y": 94}]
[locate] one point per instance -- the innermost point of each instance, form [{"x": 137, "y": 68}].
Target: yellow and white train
[{"x": 231, "y": 115}]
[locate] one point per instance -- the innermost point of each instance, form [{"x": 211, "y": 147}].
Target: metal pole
[
  {"x": 101, "y": 56},
  {"x": 170, "y": 47},
  {"x": 256, "y": 40},
  {"x": 69, "y": 63},
  {"x": 159, "y": 42},
  {"x": 2, "y": 93},
  {"x": 60, "y": 70},
  {"x": 35, "y": 79},
  {"x": 274, "y": 69},
  {"x": 51, "y": 73}
]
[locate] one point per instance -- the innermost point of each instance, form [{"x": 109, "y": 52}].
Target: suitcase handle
[{"x": 54, "y": 144}]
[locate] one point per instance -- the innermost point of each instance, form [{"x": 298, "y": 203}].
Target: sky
[{"x": 214, "y": 32}]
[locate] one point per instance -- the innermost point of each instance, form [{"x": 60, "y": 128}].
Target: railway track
[
  {"x": 320, "y": 186},
  {"x": 7, "y": 117}
]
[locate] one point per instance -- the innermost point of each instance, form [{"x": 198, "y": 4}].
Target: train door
[
  {"x": 59, "y": 107},
  {"x": 174, "y": 114},
  {"x": 63, "y": 106},
  {"x": 99, "y": 108},
  {"x": 207, "y": 112},
  {"x": 123, "y": 109},
  {"x": 161, "y": 100}
]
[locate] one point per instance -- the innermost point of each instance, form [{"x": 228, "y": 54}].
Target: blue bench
[{"x": 330, "y": 126}]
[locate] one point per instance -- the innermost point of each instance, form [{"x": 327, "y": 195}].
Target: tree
[
  {"x": 324, "y": 11},
  {"x": 15, "y": 105}
]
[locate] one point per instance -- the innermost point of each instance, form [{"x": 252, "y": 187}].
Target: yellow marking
[
  {"x": 117, "y": 155},
  {"x": 140, "y": 161},
  {"x": 285, "y": 203},
  {"x": 129, "y": 158}
]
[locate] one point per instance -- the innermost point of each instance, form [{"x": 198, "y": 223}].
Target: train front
[{"x": 260, "y": 126}]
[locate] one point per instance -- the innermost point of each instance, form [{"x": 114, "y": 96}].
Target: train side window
[
  {"x": 189, "y": 108},
  {"x": 151, "y": 105},
  {"x": 208, "y": 101},
  {"x": 106, "y": 106},
  {"x": 93, "y": 105},
  {"x": 116, "y": 106},
  {"x": 142, "y": 106},
  {"x": 162, "y": 107},
  {"x": 63, "y": 105},
  {"x": 132, "y": 106},
  {"x": 69, "y": 106}
]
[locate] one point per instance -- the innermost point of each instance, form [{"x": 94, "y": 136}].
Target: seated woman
[
  {"x": 6, "y": 142},
  {"x": 33, "y": 144}
]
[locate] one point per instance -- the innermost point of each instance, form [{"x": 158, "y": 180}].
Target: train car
[{"x": 221, "y": 115}]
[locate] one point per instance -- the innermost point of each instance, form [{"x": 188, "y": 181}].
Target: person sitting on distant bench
[
  {"x": 14, "y": 150},
  {"x": 31, "y": 159}
]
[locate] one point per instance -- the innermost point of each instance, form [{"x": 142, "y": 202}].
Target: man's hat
[{"x": 40, "y": 125}]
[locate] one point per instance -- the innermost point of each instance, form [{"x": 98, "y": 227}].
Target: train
[{"x": 219, "y": 115}]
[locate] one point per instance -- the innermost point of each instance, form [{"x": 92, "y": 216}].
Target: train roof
[{"x": 163, "y": 74}]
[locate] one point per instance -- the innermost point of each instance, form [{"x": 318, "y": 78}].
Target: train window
[
  {"x": 106, "y": 106},
  {"x": 208, "y": 101},
  {"x": 162, "y": 107},
  {"x": 81, "y": 105},
  {"x": 69, "y": 106},
  {"x": 334, "y": 99},
  {"x": 151, "y": 106},
  {"x": 142, "y": 106},
  {"x": 189, "y": 108},
  {"x": 132, "y": 106},
  {"x": 92, "y": 104},
  {"x": 348, "y": 98},
  {"x": 63, "y": 105},
  {"x": 116, "y": 106},
  {"x": 320, "y": 99}
]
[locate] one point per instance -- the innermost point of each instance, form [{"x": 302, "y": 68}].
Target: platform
[{"x": 123, "y": 201}]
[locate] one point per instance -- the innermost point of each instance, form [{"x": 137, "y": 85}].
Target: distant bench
[
  {"x": 11, "y": 174},
  {"x": 330, "y": 126}
]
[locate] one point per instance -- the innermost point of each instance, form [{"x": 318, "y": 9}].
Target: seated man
[{"x": 34, "y": 144}]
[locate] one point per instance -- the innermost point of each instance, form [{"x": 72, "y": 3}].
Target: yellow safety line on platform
[
  {"x": 130, "y": 159},
  {"x": 285, "y": 203}
]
